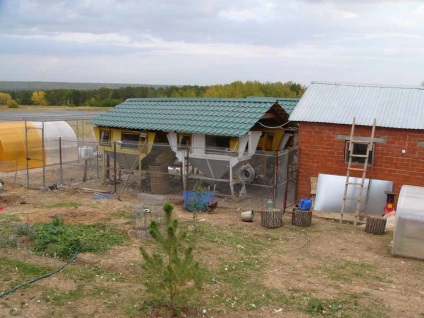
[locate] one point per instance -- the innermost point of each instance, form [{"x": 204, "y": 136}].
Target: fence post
[
  {"x": 60, "y": 160},
  {"x": 43, "y": 155},
  {"x": 26, "y": 153},
  {"x": 114, "y": 165},
  {"x": 276, "y": 165}
]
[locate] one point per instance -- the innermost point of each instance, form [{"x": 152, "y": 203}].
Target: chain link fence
[{"x": 238, "y": 180}]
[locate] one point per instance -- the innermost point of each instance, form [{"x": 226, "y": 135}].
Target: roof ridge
[
  {"x": 201, "y": 99},
  {"x": 368, "y": 85}
]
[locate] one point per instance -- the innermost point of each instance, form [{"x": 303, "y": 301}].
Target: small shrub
[
  {"x": 12, "y": 104},
  {"x": 173, "y": 277},
  {"x": 58, "y": 239},
  {"x": 24, "y": 229}
]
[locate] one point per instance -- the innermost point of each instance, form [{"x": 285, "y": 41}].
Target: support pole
[
  {"x": 107, "y": 169},
  {"x": 84, "y": 177},
  {"x": 274, "y": 188},
  {"x": 78, "y": 142},
  {"x": 114, "y": 166},
  {"x": 97, "y": 161},
  {"x": 43, "y": 155},
  {"x": 60, "y": 160},
  {"x": 26, "y": 153},
  {"x": 187, "y": 167}
]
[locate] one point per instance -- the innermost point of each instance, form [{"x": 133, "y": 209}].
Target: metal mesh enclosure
[{"x": 246, "y": 183}]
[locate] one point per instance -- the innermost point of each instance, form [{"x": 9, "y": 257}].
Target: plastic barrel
[{"x": 159, "y": 180}]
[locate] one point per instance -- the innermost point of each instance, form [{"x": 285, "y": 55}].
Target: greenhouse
[
  {"x": 408, "y": 238},
  {"x": 20, "y": 140}
]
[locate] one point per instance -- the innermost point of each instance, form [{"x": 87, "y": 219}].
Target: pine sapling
[{"x": 173, "y": 276}]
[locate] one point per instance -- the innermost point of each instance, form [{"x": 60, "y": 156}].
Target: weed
[
  {"x": 63, "y": 240},
  {"x": 25, "y": 229},
  {"x": 8, "y": 224},
  {"x": 350, "y": 305}
]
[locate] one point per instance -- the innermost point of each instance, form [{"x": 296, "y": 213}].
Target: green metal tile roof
[
  {"x": 288, "y": 104},
  {"x": 212, "y": 116}
]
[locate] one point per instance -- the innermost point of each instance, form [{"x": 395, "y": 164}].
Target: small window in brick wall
[{"x": 359, "y": 149}]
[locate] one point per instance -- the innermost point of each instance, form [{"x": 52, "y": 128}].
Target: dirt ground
[{"x": 302, "y": 260}]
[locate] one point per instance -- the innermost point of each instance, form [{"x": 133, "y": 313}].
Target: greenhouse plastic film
[{"x": 408, "y": 237}]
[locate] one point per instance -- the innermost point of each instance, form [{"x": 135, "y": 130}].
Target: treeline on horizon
[{"x": 109, "y": 97}]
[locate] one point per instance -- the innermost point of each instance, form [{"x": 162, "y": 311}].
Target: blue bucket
[
  {"x": 305, "y": 204},
  {"x": 197, "y": 201}
]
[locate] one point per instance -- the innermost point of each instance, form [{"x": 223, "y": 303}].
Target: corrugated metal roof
[
  {"x": 338, "y": 103},
  {"x": 213, "y": 116}
]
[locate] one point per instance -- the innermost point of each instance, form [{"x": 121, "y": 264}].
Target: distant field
[
  {"x": 44, "y": 108},
  {"x": 19, "y": 86}
]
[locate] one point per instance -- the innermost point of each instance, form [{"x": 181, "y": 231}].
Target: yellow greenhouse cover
[{"x": 12, "y": 146}]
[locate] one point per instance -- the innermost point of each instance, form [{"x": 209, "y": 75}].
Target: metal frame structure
[{"x": 43, "y": 117}]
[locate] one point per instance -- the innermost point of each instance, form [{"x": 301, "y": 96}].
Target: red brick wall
[{"x": 321, "y": 152}]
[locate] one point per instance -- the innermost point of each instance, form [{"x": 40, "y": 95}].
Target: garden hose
[{"x": 40, "y": 277}]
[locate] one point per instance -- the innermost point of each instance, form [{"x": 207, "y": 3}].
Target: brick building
[{"x": 325, "y": 115}]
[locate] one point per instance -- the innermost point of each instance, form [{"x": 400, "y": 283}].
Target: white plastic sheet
[{"x": 408, "y": 237}]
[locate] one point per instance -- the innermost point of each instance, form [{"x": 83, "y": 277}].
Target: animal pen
[{"x": 61, "y": 161}]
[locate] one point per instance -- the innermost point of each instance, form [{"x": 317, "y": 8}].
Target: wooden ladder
[{"x": 362, "y": 168}]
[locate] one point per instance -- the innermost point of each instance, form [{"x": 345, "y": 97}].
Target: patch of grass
[
  {"x": 237, "y": 283},
  {"x": 16, "y": 272},
  {"x": 239, "y": 240},
  {"x": 348, "y": 271},
  {"x": 9, "y": 218},
  {"x": 123, "y": 215},
  {"x": 59, "y": 205},
  {"x": 9, "y": 230},
  {"x": 350, "y": 305},
  {"x": 62, "y": 240},
  {"x": 60, "y": 298}
]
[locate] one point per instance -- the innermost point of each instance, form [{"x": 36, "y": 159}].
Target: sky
[{"x": 198, "y": 42}]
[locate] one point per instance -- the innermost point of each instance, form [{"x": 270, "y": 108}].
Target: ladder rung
[
  {"x": 353, "y": 199},
  {"x": 357, "y": 169},
  {"x": 358, "y": 141},
  {"x": 355, "y": 183},
  {"x": 359, "y": 156}
]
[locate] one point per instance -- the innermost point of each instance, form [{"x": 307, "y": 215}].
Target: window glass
[
  {"x": 105, "y": 136},
  {"x": 359, "y": 149},
  {"x": 217, "y": 143},
  {"x": 132, "y": 140},
  {"x": 184, "y": 141}
]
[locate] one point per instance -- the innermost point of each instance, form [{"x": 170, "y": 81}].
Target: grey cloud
[{"x": 325, "y": 36}]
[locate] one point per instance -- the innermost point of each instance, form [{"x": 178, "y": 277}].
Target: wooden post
[
  {"x": 302, "y": 218},
  {"x": 375, "y": 225},
  {"x": 272, "y": 218},
  {"x": 107, "y": 164},
  {"x": 84, "y": 177}
]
